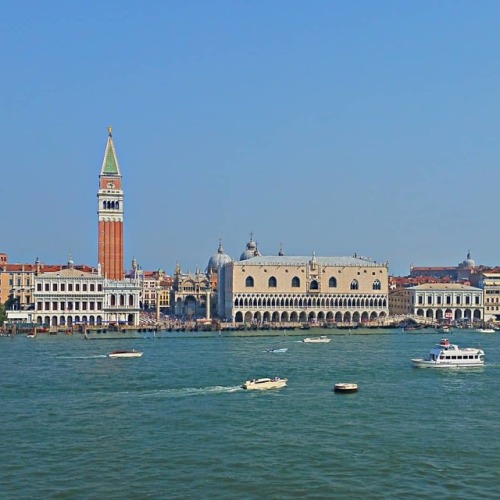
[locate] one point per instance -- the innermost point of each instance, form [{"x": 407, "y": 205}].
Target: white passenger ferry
[{"x": 447, "y": 355}]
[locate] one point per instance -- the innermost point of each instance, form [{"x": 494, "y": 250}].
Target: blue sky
[{"x": 326, "y": 126}]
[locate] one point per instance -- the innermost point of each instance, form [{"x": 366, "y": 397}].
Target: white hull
[
  {"x": 125, "y": 354},
  {"x": 317, "y": 340},
  {"x": 263, "y": 384},
  {"x": 345, "y": 387},
  {"x": 425, "y": 363}
]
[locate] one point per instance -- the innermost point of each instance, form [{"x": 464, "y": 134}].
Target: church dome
[
  {"x": 469, "y": 262},
  {"x": 251, "y": 250},
  {"x": 219, "y": 259}
]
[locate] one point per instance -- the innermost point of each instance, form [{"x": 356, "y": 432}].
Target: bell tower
[{"x": 110, "y": 214}]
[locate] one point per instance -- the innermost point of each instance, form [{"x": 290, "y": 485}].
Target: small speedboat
[
  {"x": 283, "y": 349},
  {"x": 345, "y": 387},
  {"x": 486, "y": 330},
  {"x": 323, "y": 339},
  {"x": 125, "y": 354},
  {"x": 265, "y": 383}
]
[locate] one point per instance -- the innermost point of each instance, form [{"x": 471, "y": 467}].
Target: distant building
[
  {"x": 490, "y": 283},
  {"x": 191, "y": 295},
  {"x": 299, "y": 289},
  {"x": 439, "y": 301},
  {"x": 17, "y": 281},
  {"x": 70, "y": 297},
  {"x": 463, "y": 271}
]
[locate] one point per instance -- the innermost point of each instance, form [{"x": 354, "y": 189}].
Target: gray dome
[
  {"x": 219, "y": 259},
  {"x": 469, "y": 262},
  {"x": 251, "y": 250}
]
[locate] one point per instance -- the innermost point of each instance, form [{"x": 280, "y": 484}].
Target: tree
[{"x": 3, "y": 316}]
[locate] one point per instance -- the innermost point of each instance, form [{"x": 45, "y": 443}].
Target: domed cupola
[
  {"x": 251, "y": 250},
  {"x": 218, "y": 260},
  {"x": 469, "y": 262}
]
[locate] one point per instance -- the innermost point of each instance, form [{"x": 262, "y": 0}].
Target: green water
[{"x": 176, "y": 424}]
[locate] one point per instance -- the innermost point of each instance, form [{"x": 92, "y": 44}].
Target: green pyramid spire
[{"x": 110, "y": 163}]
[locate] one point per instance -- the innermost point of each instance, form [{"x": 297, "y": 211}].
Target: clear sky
[{"x": 329, "y": 126}]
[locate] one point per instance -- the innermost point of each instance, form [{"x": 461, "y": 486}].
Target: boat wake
[
  {"x": 97, "y": 356},
  {"x": 195, "y": 391}
]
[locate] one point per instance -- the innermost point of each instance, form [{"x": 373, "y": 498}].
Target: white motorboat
[
  {"x": 273, "y": 349},
  {"x": 125, "y": 354},
  {"x": 345, "y": 387},
  {"x": 485, "y": 330},
  {"x": 265, "y": 383},
  {"x": 444, "y": 329},
  {"x": 323, "y": 339},
  {"x": 448, "y": 355}
]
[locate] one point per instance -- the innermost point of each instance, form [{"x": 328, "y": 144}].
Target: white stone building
[
  {"x": 439, "y": 301},
  {"x": 69, "y": 297}
]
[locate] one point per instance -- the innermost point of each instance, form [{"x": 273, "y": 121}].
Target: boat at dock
[{"x": 448, "y": 355}]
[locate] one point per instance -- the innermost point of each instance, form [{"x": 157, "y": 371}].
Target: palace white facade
[
  {"x": 304, "y": 289},
  {"x": 70, "y": 297},
  {"x": 439, "y": 301}
]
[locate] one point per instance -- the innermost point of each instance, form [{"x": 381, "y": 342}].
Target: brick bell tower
[{"x": 110, "y": 214}]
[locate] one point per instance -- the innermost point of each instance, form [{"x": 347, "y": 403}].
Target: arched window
[
  {"x": 104, "y": 205},
  {"x": 249, "y": 282},
  {"x": 332, "y": 282},
  {"x": 377, "y": 285},
  {"x": 354, "y": 285},
  {"x": 273, "y": 283},
  {"x": 295, "y": 282},
  {"x": 314, "y": 285}
]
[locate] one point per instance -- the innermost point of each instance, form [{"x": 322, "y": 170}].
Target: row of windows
[
  {"x": 111, "y": 205},
  {"x": 121, "y": 300},
  {"x": 470, "y": 356},
  {"x": 70, "y": 306},
  {"x": 448, "y": 299},
  {"x": 332, "y": 283},
  {"x": 310, "y": 302},
  {"x": 61, "y": 287}
]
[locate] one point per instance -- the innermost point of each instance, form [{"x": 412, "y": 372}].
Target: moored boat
[
  {"x": 265, "y": 383},
  {"x": 323, "y": 339},
  {"x": 345, "y": 387},
  {"x": 485, "y": 330},
  {"x": 125, "y": 354},
  {"x": 448, "y": 355}
]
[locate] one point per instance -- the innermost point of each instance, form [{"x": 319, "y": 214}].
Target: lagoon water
[{"x": 175, "y": 423}]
